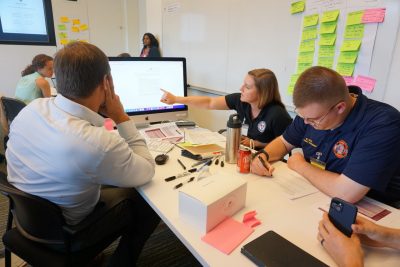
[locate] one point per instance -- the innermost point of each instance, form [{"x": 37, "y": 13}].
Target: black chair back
[{"x": 11, "y": 107}]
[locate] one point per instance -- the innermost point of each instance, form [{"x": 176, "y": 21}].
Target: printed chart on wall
[
  {"x": 71, "y": 29},
  {"x": 338, "y": 34}
]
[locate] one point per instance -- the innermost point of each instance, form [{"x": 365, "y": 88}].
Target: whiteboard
[{"x": 222, "y": 40}]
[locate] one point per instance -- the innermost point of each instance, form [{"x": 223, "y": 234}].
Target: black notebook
[{"x": 272, "y": 250}]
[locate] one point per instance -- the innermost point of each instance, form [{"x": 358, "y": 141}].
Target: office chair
[
  {"x": 391, "y": 196},
  {"x": 11, "y": 107},
  {"x": 39, "y": 222}
]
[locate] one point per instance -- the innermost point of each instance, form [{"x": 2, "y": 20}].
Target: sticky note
[
  {"x": 327, "y": 39},
  {"x": 309, "y": 33},
  {"x": 328, "y": 27},
  {"x": 61, "y": 27},
  {"x": 329, "y": 16},
  {"x": 75, "y": 29},
  {"x": 354, "y": 17},
  {"x": 297, "y": 7},
  {"x": 64, "y": 41},
  {"x": 227, "y": 235},
  {"x": 293, "y": 80},
  {"x": 348, "y": 57},
  {"x": 325, "y": 62},
  {"x": 348, "y": 80},
  {"x": 307, "y": 46},
  {"x": 303, "y": 66},
  {"x": 373, "y": 15},
  {"x": 345, "y": 69},
  {"x": 83, "y": 27},
  {"x": 326, "y": 51},
  {"x": 351, "y": 45},
  {"x": 310, "y": 20},
  {"x": 62, "y": 35},
  {"x": 64, "y": 19},
  {"x": 305, "y": 57},
  {"x": 250, "y": 219},
  {"x": 365, "y": 83},
  {"x": 76, "y": 21},
  {"x": 355, "y": 31}
]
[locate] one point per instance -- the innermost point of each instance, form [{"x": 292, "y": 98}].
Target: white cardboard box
[{"x": 209, "y": 201}]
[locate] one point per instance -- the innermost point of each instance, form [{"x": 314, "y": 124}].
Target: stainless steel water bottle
[{"x": 233, "y": 134}]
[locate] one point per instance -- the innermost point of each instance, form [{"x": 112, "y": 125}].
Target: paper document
[
  {"x": 165, "y": 132},
  {"x": 203, "y": 136},
  {"x": 295, "y": 186}
]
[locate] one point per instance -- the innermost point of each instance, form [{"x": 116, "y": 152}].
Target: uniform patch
[
  {"x": 261, "y": 126},
  {"x": 340, "y": 149}
]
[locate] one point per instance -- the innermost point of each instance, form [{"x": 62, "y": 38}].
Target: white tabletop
[{"x": 296, "y": 220}]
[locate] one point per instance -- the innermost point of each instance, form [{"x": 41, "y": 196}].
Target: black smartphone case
[{"x": 342, "y": 214}]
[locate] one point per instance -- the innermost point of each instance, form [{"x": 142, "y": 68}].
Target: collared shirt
[
  {"x": 58, "y": 150},
  {"x": 365, "y": 147}
]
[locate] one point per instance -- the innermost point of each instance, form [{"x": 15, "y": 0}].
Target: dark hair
[
  {"x": 80, "y": 67},
  {"x": 267, "y": 87},
  {"x": 153, "y": 40},
  {"x": 319, "y": 85},
  {"x": 124, "y": 55},
  {"x": 38, "y": 62}
]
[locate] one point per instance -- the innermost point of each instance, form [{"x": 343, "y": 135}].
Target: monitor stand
[{"x": 141, "y": 125}]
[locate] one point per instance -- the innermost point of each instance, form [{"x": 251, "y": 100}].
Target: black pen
[
  {"x": 263, "y": 163},
  {"x": 180, "y": 162},
  {"x": 171, "y": 178},
  {"x": 181, "y": 184}
]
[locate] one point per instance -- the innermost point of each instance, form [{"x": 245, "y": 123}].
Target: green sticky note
[
  {"x": 354, "y": 17},
  {"x": 297, "y": 7},
  {"x": 325, "y": 62},
  {"x": 306, "y": 57},
  {"x": 309, "y": 33},
  {"x": 61, "y": 27},
  {"x": 351, "y": 45},
  {"x": 62, "y": 35},
  {"x": 330, "y": 16},
  {"x": 354, "y": 31},
  {"x": 326, "y": 51},
  {"x": 348, "y": 57},
  {"x": 328, "y": 27},
  {"x": 303, "y": 66},
  {"x": 310, "y": 20},
  {"x": 345, "y": 69},
  {"x": 307, "y": 46},
  {"x": 327, "y": 39},
  {"x": 293, "y": 80}
]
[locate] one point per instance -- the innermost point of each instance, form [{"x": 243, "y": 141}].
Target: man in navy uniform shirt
[{"x": 351, "y": 144}]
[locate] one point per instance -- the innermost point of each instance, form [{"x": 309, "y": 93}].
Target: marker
[
  {"x": 181, "y": 184},
  {"x": 180, "y": 162},
  {"x": 263, "y": 163},
  {"x": 179, "y": 175}
]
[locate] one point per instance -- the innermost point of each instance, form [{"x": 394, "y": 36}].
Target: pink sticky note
[
  {"x": 373, "y": 15},
  {"x": 365, "y": 83},
  {"x": 250, "y": 220},
  {"x": 349, "y": 80},
  {"x": 227, "y": 235}
]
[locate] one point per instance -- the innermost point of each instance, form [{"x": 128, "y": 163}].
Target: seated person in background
[
  {"x": 350, "y": 143},
  {"x": 258, "y": 105},
  {"x": 70, "y": 155},
  {"x": 150, "y": 46},
  {"x": 124, "y": 55},
  {"x": 33, "y": 84},
  {"x": 347, "y": 252}
]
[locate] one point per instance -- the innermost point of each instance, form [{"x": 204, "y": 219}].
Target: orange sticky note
[
  {"x": 64, "y": 19},
  {"x": 83, "y": 27},
  {"x": 75, "y": 29},
  {"x": 76, "y": 21},
  {"x": 64, "y": 41}
]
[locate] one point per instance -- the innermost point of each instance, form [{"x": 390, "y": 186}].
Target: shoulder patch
[{"x": 340, "y": 149}]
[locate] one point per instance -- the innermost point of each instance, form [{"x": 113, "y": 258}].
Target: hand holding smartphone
[{"x": 342, "y": 214}]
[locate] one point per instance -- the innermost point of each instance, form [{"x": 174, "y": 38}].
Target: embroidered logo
[
  {"x": 340, "y": 149},
  {"x": 261, "y": 126}
]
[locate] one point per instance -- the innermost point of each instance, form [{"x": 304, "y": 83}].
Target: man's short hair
[
  {"x": 79, "y": 68},
  {"x": 319, "y": 85}
]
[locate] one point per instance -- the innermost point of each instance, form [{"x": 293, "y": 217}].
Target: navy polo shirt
[
  {"x": 365, "y": 147},
  {"x": 270, "y": 123}
]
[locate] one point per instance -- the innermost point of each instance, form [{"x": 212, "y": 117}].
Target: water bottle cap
[{"x": 234, "y": 121}]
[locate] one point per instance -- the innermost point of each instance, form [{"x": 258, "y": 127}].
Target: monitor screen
[{"x": 137, "y": 81}]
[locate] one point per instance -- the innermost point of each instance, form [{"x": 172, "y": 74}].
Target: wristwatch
[{"x": 262, "y": 151}]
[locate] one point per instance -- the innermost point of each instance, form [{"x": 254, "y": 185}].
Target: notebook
[{"x": 272, "y": 250}]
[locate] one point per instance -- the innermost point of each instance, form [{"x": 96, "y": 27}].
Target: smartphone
[{"x": 342, "y": 214}]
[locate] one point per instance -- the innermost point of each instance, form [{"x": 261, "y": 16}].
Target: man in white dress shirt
[{"x": 59, "y": 150}]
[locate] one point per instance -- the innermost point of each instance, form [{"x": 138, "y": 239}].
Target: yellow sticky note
[
  {"x": 297, "y": 7},
  {"x": 64, "y": 41},
  {"x": 351, "y": 45},
  {"x": 326, "y": 51},
  {"x": 328, "y": 27},
  {"x": 61, "y": 27},
  {"x": 307, "y": 46},
  {"x": 62, "y": 35},
  {"x": 293, "y": 80},
  {"x": 330, "y": 16},
  {"x": 309, "y": 33},
  {"x": 303, "y": 66},
  {"x": 327, "y": 39},
  {"x": 345, "y": 69},
  {"x": 325, "y": 62},
  {"x": 305, "y": 57},
  {"x": 83, "y": 27},
  {"x": 75, "y": 29},
  {"x": 76, "y": 21},
  {"x": 310, "y": 20},
  {"x": 355, "y": 31},
  {"x": 348, "y": 57},
  {"x": 64, "y": 19},
  {"x": 354, "y": 17}
]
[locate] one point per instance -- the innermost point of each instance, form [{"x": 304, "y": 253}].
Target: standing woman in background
[
  {"x": 258, "y": 105},
  {"x": 150, "y": 46},
  {"x": 33, "y": 84}
]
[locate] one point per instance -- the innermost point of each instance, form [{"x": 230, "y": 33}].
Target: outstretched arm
[{"x": 204, "y": 102}]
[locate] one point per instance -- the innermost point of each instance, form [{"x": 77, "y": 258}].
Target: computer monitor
[{"x": 137, "y": 81}]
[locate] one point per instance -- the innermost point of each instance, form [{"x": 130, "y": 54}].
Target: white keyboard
[{"x": 159, "y": 146}]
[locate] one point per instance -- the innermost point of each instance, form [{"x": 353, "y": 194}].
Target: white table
[{"x": 296, "y": 220}]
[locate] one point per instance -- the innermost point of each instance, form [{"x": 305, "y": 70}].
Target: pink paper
[
  {"x": 250, "y": 220},
  {"x": 227, "y": 235},
  {"x": 365, "y": 83},
  {"x": 373, "y": 15},
  {"x": 349, "y": 80}
]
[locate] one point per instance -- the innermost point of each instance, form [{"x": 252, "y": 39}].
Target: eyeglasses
[{"x": 316, "y": 122}]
